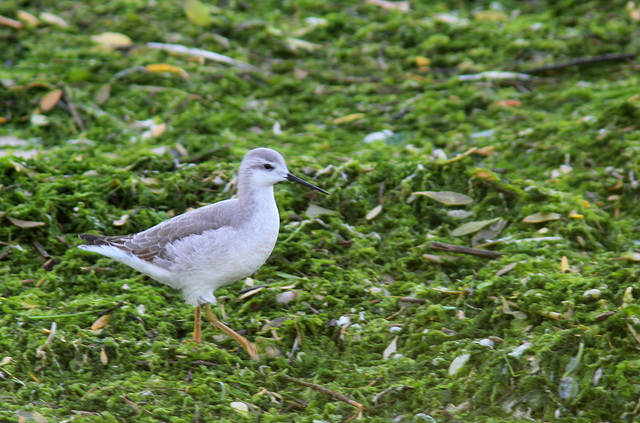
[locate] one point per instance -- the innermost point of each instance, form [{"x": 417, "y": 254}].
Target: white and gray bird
[{"x": 215, "y": 245}]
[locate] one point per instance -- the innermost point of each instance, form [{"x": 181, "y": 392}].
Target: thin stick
[
  {"x": 326, "y": 391},
  {"x": 10, "y": 22},
  {"x": 72, "y": 109},
  {"x": 465, "y": 250},
  {"x": 582, "y": 61},
  {"x": 177, "y": 48}
]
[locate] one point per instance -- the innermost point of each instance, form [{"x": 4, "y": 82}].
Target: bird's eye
[{"x": 268, "y": 166}]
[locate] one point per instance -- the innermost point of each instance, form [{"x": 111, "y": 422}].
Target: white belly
[{"x": 207, "y": 261}]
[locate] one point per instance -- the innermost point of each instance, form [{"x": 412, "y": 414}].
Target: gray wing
[{"x": 152, "y": 243}]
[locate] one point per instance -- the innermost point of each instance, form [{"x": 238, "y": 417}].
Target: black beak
[{"x": 294, "y": 178}]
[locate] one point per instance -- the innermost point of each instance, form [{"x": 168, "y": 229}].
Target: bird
[{"x": 204, "y": 249}]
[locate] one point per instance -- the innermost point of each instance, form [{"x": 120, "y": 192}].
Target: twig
[
  {"x": 177, "y": 48},
  {"x": 72, "y": 109},
  {"x": 412, "y": 300},
  {"x": 41, "y": 249},
  {"x": 115, "y": 307},
  {"x": 10, "y": 22},
  {"x": 465, "y": 250},
  {"x": 582, "y": 61},
  {"x": 326, "y": 391}
]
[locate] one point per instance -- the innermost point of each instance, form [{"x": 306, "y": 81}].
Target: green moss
[{"x": 564, "y": 148}]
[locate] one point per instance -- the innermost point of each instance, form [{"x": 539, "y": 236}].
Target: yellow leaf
[
  {"x": 103, "y": 357},
  {"x": 422, "y": 61},
  {"x": 564, "y": 264},
  {"x": 197, "y": 12},
  {"x": 50, "y": 99},
  {"x": 100, "y": 323},
  {"x": 163, "y": 67},
  {"x": 374, "y": 212},
  {"x": 348, "y": 118},
  {"x": 112, "y": 39},
  {"x": 28, "y": 18}
]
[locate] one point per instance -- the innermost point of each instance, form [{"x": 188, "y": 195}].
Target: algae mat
[{"x": 507, "y": 127}]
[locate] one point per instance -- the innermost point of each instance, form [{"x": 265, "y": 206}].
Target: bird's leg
[
  {"x": 244, "y": 342},
  {"x": 197, "y": 325}
]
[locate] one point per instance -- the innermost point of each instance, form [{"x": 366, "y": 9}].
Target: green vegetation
[{"x": 549, "y": 330}]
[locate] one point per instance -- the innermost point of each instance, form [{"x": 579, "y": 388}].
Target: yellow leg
[
  {"x": 244, "y": 342},
  {"x": 197, "y": 325}
]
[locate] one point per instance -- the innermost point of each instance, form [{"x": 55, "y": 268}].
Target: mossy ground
[{"x": 564, "y": 143}]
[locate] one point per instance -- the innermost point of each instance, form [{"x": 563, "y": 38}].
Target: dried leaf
[
  {"x": 101, "y": 322},
  {"x": 422, "y": 61},
  {"x": 52, "y": 19},
  {"x": 28, "y": 18},
  {"x": 564, "y": 264},
  {"x": 509, "y": 267},
  {"x": 506, "y": 310},
  {"x": 447, "y": 197},
  {"x": 25, "y": 224},
  {"x": 287, "y": 296},
  {"x": 471, "y": 227},
  {"x": 634, "y": 11},
  {"x": 458, "y": 363},
  {"x": 31, "y": 415},
  {"x": 348, "y": 118},
  {"x": 49, "y": 100},
  {"x": 491, "y": 232},
  {"x": 241, "y": 407},
  {"x": 112, "y": 39},
  {"x": 391, "y": 349},
  {"x": 440, "y": 259},
  {"x": 5, "y": 361},
  {"x": 103, "y": 356},
  {"x": 103, "y": 94},
  {"x": 402, "y": 6},
  {"x": 122, "y": 220},
  {"x": 374, "y": 212},
  {"x": 163, "y": 67},
  {"x": 491, "y": 15},
  {"x": 250, "y": 293},
  {"x": 314, "y": 211},
  {"x": 541, "y": 217},
  {"x": 197, "y": 12}
]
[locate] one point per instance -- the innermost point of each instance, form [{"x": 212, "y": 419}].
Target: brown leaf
[
  {"x": 509, "y": 267},
  {"x": 101, "y": 322},
  {"x": 25, "y": 224},
  {"x": 50, "y": 99}
]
